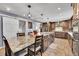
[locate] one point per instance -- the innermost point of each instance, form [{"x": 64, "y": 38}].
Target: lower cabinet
[
  {"x": 70, "y": 40},
  {"x": 60, "y": 34},
  {"x": 75, "y": 48},
  {"x": 45, "y": 43},
  {"x": 47, "y": 40},
  {"x": 76, "y": 43}
]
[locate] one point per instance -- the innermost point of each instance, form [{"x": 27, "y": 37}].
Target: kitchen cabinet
[
  {"x": 76, "y": 43},
  {"x": 70, "y": 40},
  {"x": 47, "y": 40},
  {"x": 60, "y": 34}
]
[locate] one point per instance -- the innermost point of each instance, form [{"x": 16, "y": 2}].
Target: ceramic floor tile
[{"x": 62, "y": 48}]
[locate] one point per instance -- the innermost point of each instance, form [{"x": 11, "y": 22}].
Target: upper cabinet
[
  {"x": 57, "y": 26},
  {"x": 52, "y": 26}
]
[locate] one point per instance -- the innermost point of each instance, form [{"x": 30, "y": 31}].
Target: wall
[
  {"x": 10, "y": 27},
  {"x": 22, "y": 26},
  {"x": 36, "y": 26},
  {"x": 0, "y": 34},
  {"x": 58, "y": 26},
  {"x": 58, "y": 29}
]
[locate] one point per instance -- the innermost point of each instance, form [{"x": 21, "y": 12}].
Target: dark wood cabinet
[
  {"x": 47, "y": 40},
  {"x": 60, "y": 34},
  {"x": 20, "y": 34},
  {"x": 76, "y": 43},
  {"x": 52, "y": 26}
]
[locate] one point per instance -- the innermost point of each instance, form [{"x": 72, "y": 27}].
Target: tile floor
[{"x": 60, "y": 47}]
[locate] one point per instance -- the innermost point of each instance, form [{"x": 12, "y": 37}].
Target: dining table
[{"x": 20, "y": 43}]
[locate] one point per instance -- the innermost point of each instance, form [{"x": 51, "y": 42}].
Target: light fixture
[
  {"x": 29, "y": 14},
  {"x": 41, "y": 14},
  {"x": 24, "y": 15},
  {"x": 59, "y": 8},
  {"x": 8, "y": 9}
]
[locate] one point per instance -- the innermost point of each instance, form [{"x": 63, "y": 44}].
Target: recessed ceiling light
[
  {"x": 8, "y": 9},
  {"x": 59, "y": 8},
  {"x": 24, "y": 15}
]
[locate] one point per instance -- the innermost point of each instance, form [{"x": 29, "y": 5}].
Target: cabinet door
[
  {"x": 75, "y": 48},
  {"x": 45, "y": 42}
]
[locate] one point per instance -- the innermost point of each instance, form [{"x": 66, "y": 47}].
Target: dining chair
[
  {"x": 8, "y": 51},
  {"x": 20, "y": 34},
  {"x": 37, "y": 47},
  {"x": 21, "y": 38}
]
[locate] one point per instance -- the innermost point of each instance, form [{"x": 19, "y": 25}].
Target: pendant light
[{"x": 29, "y": 14}]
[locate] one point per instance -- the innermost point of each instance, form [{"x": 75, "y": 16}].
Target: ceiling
[{"x": 51, "y": 11}]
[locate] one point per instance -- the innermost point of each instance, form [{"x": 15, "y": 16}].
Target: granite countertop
[
  {"x": 17, "y": 44},
  {"x": 46, "y": 33},
  {"x": 71, "y": 34}
]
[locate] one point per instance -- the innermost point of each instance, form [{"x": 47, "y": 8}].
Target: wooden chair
[
  {"x": 8, "y": 51},
  {"x": 36, "y": 47},
  {"x": 21, "y": 38},
  {"x": 20, "y": 34}
]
